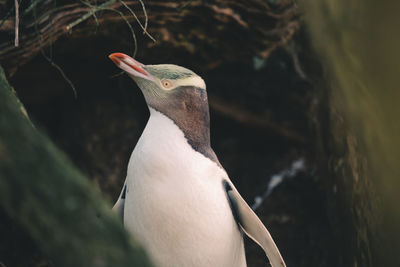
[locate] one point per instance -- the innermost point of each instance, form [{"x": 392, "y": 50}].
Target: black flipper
[{"x": 251, "y": 225}]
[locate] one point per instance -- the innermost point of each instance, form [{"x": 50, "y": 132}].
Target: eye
[{"x": 166, "y": 83}]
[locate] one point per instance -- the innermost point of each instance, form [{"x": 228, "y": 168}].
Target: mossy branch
[{"x": 47, "y": 196}]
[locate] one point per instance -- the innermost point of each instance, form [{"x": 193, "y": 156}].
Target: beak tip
[
  {"x": 114, "y": 58},
  {"x": 129, "y": 65}
]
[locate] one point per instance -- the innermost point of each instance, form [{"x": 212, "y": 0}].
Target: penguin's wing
[
  {"x": 120, "y": 204},
  {"x": 252, "y": 225}
]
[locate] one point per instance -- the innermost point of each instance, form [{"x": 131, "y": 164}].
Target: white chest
[{"x": 175, "y": 203}]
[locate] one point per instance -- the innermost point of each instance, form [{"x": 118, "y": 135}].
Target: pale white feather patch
[
  {"x": 176, "y": 205},
  {"x": 196, "y": 81}
]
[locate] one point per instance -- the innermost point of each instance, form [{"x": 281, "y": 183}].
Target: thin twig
[
  {"x": 144, "y": 28},
  {"x": 184, "y": 5},
  {"x": 117, "y": 75},
  {"x": 32, "y": 5},
  {"x": 146, "y": 18},
  {"x": 16, "y": 42},
  {"x": 61, "y": 72},
  {"x": 49, "y": 58},
  {"x": 89, "y": 14},
  {"x": 129, "y": 25},
  {"x": 94, "y": 14}
]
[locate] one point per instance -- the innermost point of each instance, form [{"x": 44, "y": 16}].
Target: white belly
[{"x": 176, "y": 205}]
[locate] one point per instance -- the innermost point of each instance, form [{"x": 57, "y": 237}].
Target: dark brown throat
[{"x": 188, "y": 109}]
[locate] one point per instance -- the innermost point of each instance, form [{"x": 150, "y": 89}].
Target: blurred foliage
[
  {"x": 52, "y": 201},
  {"x": 359, "y": 45}
]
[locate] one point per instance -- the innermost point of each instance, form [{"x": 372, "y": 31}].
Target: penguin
[{"x": 177, "y": 200}]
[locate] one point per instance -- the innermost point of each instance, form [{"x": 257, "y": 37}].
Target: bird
[{"x": 177, "y": 200}]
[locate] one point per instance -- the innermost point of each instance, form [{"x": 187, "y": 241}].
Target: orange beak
[{"x": 130, "y": 65}]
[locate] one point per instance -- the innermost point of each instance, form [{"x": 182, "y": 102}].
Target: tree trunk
[{"x": 356, "y": 42}]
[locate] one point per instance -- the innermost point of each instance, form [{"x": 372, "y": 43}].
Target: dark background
[{"x": 98, "y": 129}]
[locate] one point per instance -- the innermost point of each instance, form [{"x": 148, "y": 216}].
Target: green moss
[{"x": 42, "y": 192}]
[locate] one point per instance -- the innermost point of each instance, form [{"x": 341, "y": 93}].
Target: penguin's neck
[{"x": 196, "y": 131}]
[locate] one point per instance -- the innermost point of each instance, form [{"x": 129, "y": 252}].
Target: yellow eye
[{"x": 166, "y": 83}]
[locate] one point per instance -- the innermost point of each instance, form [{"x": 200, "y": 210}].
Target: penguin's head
[
  {"x": 176, "y": 92},
  {"x": 164, "y": 86}
]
